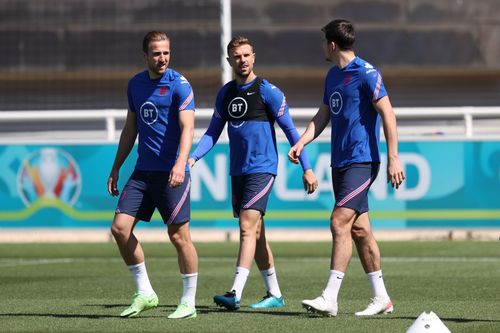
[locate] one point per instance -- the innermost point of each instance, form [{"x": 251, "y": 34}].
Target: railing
[{"x": 467, "y": 115}]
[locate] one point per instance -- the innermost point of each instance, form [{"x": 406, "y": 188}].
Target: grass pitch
[{"x": 84, "y": 287}]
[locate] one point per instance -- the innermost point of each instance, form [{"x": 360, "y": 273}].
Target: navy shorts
[
  {"x": 351, "y": 185},
  {"x": 251, "y": 192},
  {"x": 146, "y": 191}
]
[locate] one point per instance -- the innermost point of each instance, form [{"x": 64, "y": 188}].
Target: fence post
[
  {"x": 468, "y": 125},
  {"x": 110, "y": 127}
]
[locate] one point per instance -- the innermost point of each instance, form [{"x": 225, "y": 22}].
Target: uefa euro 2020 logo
[{"x": 49, "y": 173}]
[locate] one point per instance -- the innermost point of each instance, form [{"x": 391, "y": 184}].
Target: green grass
[{"x": 83, "y": 288}]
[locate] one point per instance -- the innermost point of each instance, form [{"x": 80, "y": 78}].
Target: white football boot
[
  {"x": 320, "y": 305},
  {"x": 378, "y": 305}
]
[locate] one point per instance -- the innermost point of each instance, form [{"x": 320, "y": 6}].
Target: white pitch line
[
  {"x": 441, "y": 259},
  {"x": 30, "y": 262}
]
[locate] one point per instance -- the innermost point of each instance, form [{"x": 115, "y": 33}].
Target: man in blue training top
[
  {"x": 161, "y": 112},
  {"x": 250, "y": 105},
  {"x": 354, "y": 100}
]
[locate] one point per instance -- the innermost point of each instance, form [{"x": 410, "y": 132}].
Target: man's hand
[
  {"x": 191, "y": 162},
  {"x": 395, "y": 173},
  {"x": 112, "y": 183},
  {"x": 177, "y": 175},
  {"x": 294, "y": 153},
  {"x": 310, "y": 181}
]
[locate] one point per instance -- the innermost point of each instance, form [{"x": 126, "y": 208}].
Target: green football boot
[
  {"x": 140, "y": 303},
  {"x": 183, "y": 311}
]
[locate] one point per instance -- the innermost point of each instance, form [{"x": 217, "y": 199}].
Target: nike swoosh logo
[
  {"x": 250, "y": 93},
  {"x": 270, "y": 274}
]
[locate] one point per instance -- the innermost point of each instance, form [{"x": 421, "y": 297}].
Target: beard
[{"x": 242, "y": 75}]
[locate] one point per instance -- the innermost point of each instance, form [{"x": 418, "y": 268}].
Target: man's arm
[
  {"x": 314, "y": 128},
  {"x": 186, "y": 124},
  {"x": 309, "y": 180},
  {"x": 208, "y": 140},
  {"x": 127, "y": 140},
  {"x": 395, "y": 173}
]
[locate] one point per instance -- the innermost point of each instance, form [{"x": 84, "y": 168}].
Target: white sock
[
  {"x": 333, "y": 286},
  {"x": 189, "y": 282},
  {"x": 240, "y": 278},
  {"x": 377, "y": 284},
  {"x": 141, "y": 279},
  {"x": 271, "y": 281}
]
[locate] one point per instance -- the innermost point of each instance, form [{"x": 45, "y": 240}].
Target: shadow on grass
[
  {"x": 57, "y": 315},
  {"x": 204, "y": 309},
  {"x": 456, "y": 320},
  {"x": 208, "y": 310}
]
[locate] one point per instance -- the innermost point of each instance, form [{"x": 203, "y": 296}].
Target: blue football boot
[
  {"x": 228, "y": 300},
  {"x": 269, "y": 301}
]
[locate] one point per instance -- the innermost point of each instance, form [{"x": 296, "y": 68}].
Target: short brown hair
[
  {"x": 153, "y": 36},
  {"x": 341, "y": 32},
  {"x": 238, "y": 41}
]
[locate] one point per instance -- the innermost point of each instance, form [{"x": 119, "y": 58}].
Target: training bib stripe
[
  {"x": 260, "y": 194},
  {"x": 187, "y": 101},
  {"x": 180, "y": 204},
  {"x": 355, "y": 193}
]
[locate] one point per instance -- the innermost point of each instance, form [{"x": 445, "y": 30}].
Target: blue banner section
[{"x": 451, "y": 184}]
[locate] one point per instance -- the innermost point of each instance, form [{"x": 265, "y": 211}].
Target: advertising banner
[{"x": 449, "y": 184}]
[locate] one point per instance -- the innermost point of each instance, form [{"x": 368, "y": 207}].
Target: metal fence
[{"x": 105, "y": 125}]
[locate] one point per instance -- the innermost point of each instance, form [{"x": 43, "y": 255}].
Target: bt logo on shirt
[
  {"x": 236, "y": 109},
  {"x": 149, "y": 113},
  {"x": 336, "y": 102}
]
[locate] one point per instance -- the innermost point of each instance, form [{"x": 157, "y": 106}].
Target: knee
[
  {"x": 248, "y": 228},
  {"x": 178, "y": 239},
  {"x": 339, "y": 226},
  {"x": 338, "y": 230},
  {"x": 359, "y": 233},
  {"x": 118, "y": 231}
]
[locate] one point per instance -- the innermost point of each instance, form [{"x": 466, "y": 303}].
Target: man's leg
[
  {"x": 250, "y": 196},
  {"x": 249, "y": 220},
  {"x": 367, "y": 246},
  {"x": 369, "y": 255},
  {"x": 265, "y": 261},
  {"x": 188, "y": 266},
  {"x": 341, "y": 223},
  {"x": 131, "y": 251},
  {"x": 122, "y": 230},
  {"x": 263, "y": 254},
  {"x": 186, "y": 252}
]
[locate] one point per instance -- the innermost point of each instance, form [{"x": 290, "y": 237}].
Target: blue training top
[
  {"x": 156, "y": 104},
  {"x": 349, "y": 93},
  {"x": 250, "y": 111}
]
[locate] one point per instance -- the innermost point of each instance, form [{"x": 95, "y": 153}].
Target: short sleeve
[
  {"x": 184, "y": 95},
  {"x": 131, "y": 106},
  {"x": 373, "y": 86}
]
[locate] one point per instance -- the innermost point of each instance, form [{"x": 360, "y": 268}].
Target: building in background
[{"x": 79, "y": 54}]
